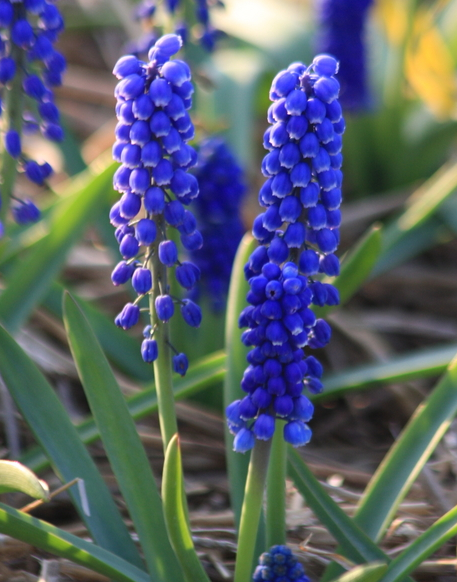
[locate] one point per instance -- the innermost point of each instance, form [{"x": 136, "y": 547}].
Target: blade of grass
[
  {"x": 422, "y": 547},
  {"x": 122, "y": 350},
  {"x": 236, "y": 363},
  {"x": 206, "y": 372},
  {"x": 61, "y": 543},
  {"x": 124, "y": 449},
  {"x": 53, "y": 429},
  {"x": 421, "y": 206},
  {"x": 31, "y": 277},
  {"x": 418, "y": 364},
  {"x": 356, "y": 545},
  {"x": 405, "y": 459},
  {"x": 176, "y": 515},
  {"x": 16, "y": 477},
  {"x": 368, "y": 573},
  {"x": 355, "y": 267}
]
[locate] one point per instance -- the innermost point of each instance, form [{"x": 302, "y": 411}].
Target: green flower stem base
[
  {"x": 252, "y": 508},
  {"x": 162, "y": 366},
  {"x": 276, "y": 490}
]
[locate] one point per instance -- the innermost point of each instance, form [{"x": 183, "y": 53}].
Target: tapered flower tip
[
  {"x": 244, "y": 441},
  {"x": 279, "y": 565}
]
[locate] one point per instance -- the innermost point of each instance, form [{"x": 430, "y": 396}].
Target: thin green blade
[
  {"x": 16, "y": 477},
  {"x": 53, "y": 429},
  {"x": 422, "y": 547},
  {"x": 31, "y": 277},
  {"x": 124, "y": 449},
  {"x": 236, "y": 363},
  {"x": 367, "y": 573},
  {"x": 355, "y": 268},
  {"x": 61, "y": 543},
  {"x": 175, "y": 514},
  {"x": 408, "y": 455},
  {"x": 356, "y": 545},
  {"x": 206, "y": 372}
]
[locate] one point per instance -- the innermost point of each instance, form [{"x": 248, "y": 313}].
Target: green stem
[
  {"x": 252, "y": 508},
  {"x": 276, "y": 491},
  {"x": 13, "y": 105},
  {"x": 162, "y": 366}
]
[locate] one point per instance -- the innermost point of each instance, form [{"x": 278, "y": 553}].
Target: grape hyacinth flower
[
  {"x": 298, "y": 234},
  {"x": 279, "y": 565},
  {"x": 146, "y": 12},
  {"x": 222, "y": 189},
  {"x": 342, "y": 31},
  {"x": 30, "y": 67},
  {"x": 152, "y": 133}
]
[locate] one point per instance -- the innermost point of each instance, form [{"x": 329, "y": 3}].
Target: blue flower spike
[
  {"x": 152, "y": 137},
  {"x": 279, "y": 565},
  {"x": 218, "y": 209},
  {"x": 28, "y": 32},
  {"x": 342, "y": 26},
  {"x": 298, "y": 234}
]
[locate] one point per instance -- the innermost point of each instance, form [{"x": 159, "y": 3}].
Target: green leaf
[
  {"x": 236, "y": 363},
  {"x": 418, "y": 364},
  {"x": 176, "y": 516},
  {"x": 123, "y": 447},
  {"x": 355, "y": 267},
  {"x": 419, "y": 212},
  {"x": 356, "y": 545},
  {"x": 422, "y": 547},
  {"x": 367, "y": 573},
  {"x": 53, "y": 429},
  {"x": 16, "y": 477},
  {"x": 408, "y": 455},
  {"x": 31, "y": 277},
  {"x": 207, "y": 372},
  {"x": 406, "y": 458},
  {"x": 122, "y": 350},
  {"x": 61, "y": 543}
]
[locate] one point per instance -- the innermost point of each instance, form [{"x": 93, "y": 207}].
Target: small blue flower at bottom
[{"x": 279, "y": 565}]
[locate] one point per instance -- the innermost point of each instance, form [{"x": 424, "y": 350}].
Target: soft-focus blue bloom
[
  {"x": 152, "y": 135},
  {"x": 342, "y": 35},
  {"x": 222, "y": 189},
  {"x": 298, "y": 240},
  {"x": 32, "y": 28},
  {"x": 146, "y": 11},
  {"x": 279, "y": 565}
]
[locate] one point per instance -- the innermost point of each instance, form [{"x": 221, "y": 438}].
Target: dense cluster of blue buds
[
  {"x": 222, "y": 188},
  {"x": 29, "y": 29},
  {"x": 299, "y": 233},
  {"x": 146, "y": 12},
  {"x": 342, "y": 34},
  {"x": 279, "y": 565},
  {"x": 151, "y": 143}
]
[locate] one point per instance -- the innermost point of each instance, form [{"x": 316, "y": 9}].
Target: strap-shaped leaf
[
  {"x": 207, "y": 372},
  {"x": 405, "y": 460},
  {"x": 355, "y": 267},
  {"x": 61, "y": 543},
  {"x": 367, "y": 573},
  {"x": 418, "y": 364},
  {"x": 30, "y": 278},
  {"x": 236, "y": 363},
  {"x": 422, "y": 547},
  {"x": 176, "y": 515},
  {"x": 53, "y": 429},
  {"x": 16, "y": 477},
  {"x": 124, "y": 449}
]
